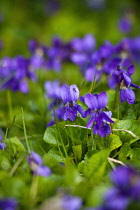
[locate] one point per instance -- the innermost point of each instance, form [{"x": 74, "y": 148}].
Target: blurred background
[{"x": 22, "y": 20}]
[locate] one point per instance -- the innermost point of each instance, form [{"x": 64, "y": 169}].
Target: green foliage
[{"x": 94, "y": 167}]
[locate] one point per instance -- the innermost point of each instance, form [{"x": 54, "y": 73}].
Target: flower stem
[{"x": 25, "y": 134}]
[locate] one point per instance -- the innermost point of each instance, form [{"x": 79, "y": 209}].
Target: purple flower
[
  {"x": 14, "y": 73},
  {"x": 53, "y": 89},
  {"x": 123, "y": 79},
  {"x": 115, "y": 200},
  {"x": 70, "y": 96},
  {"x": 71, "y": 202},
  {"x": 35, "y": 162},
  {"x": 87, "y": 44},
  {"x": 57, "y": 54},
  {"x": 125, "y": 25},
  {"x": 2, "y": 146},
  {"x": 8, "y": 204},
  {"x": 127, "y": 180},
  {"x": 99, "y": 119}
]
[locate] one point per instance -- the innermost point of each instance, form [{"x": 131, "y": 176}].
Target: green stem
[
  {"x": 118, "y": 102},
  {"x": 10, "y": 109},
  {"x": 25, "y": 134},
  {"x": 16, "y": 165},
  {"x": 33, "y": 190}
]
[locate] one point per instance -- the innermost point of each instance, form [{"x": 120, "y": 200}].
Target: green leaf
[
  {"x": 14, "y": 147},
  {"x": 113, "y": 142},
  {"x": 77, "y": 152},
  {"x": 94, "y": 168},
  {"x": 124, "y": 153},
  {"x": 130, "y": 125},
  {"x": 56, "y": 134},
  {"x": 50, "y": 136}
]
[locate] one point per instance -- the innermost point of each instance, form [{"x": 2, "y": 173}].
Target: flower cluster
[
  {"x": 36, "y": 165},
  {"x": 14, "y": 73},
  {"x": 99, "y": 120},
  {"x": 93, "y": 62}
]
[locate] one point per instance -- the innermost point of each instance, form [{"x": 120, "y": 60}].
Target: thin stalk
[
  {"x": 93, "y": 141},
  {"x": 16, "y": 165},
  {"x": 9, "y": 101},
  {"x": 33, "y": 190},
  {"x": 25, "y": 134}
]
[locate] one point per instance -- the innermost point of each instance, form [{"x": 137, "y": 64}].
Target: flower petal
[
  {"x": 91, "y": 101},
  {"x": 130, "y": 70},
  {"x": 130, "y": 96},
  {"x": 74, "y": 93},
  {"x": 90, "y": 122},
  {"x": 135, "y": 86},
  {"x": 102, "y": 100},
  {"x": 80, "y": 110},
  {"x": 65, "y": 93},
  {"x": 127, "y": 79}
]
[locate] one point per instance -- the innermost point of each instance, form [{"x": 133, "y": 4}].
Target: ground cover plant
[{"x": 70, "y": 120}]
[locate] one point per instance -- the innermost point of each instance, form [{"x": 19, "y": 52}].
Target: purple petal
[
  {"x": 102, "y": 100},
  {"x": 80, "y": 110},
  {"x": 90, "y": 74},
  {"x": 104, "y": 130},
  {"x": 90, "y": 122},
  {"x": 8, "y": 204},
  {"x": 88, "y": 42},
  {"x": 79, "y": 58},
  {"x": 96, "y": 129},
  {"x": 43, "y": 171},
  {"x": 127, "y": 79},
  {"x": 65, "y": 93},
  {"x": 91, "y": 101},
  {"x": 130, "y": 70},
  {"x": 2, "y": 146},
  {"x": 106, "y": 117},
  {"x": 35, "y": 158},
  {"x": 127, "y": 95},
  {"x": 130, "y": 96},
  {"x": 135, "y": 86},
  {"x": 70, "y": 113},
  {"x": 74, "y": 93},
  {"x": 122, "y": 96},
  {"x": 71, "y": 203}
]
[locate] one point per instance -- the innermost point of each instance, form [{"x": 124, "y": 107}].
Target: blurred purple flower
[
  {"x": 125, "y": 25},
  {"x": 35, "y": 163},
  {"x": 71, "y": 202},
  {"x": 14, "y": 73},
  {"x": 8, "y": 204}
]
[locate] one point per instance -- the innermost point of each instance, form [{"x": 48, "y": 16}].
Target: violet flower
[
  {"x": 71, "y": 202},
  {"x": 100, "y": 119},
  {"x": 125, "y": 25},
  {"x": 57, "y": 54},
  {"x": 123, "y": 79},
  {"x": 36, "y": 165},
  {"x": 70, "y": 96},
  {"x": 8, "y": 204},
  {"x": 14, "y": 73}
]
